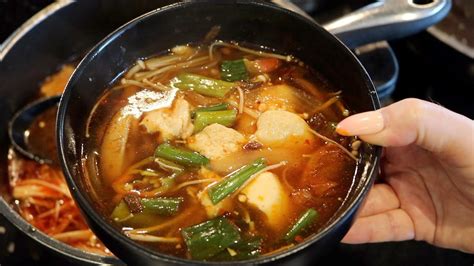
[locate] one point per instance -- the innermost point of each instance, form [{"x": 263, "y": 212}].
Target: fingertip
[
  {"x": 361, "y": 124},
  {"x": 341, "y": 131}
]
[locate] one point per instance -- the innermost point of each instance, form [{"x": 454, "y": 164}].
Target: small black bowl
[{"x": 242, "y": 21}]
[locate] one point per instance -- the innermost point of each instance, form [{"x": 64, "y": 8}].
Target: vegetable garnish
[
  {"x": 225, "y": 118},
  {"x": 160, "y": 206},
  {"x": 246, "y": 248},
  {"x": 234, "y": 71},
  {"x": 216, "y": 107},
  {"x": 207, "y": 239},
  {"x": 181, "y": 156},
  {"x": 303, "y": 222},
  {"x": 235, "y": 180},
  {"x": 202, "y": 85}
]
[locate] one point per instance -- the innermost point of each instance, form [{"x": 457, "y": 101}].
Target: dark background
[{"x": 421, "y": 75}]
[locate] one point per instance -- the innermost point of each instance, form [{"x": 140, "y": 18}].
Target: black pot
[
  {"x": 62, "y": 32},
  {"x": 242, "y": 21}
]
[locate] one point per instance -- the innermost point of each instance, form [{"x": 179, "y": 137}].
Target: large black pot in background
[
  {"x": 62, "y": 32},
  {"x": 241, "y": 21}
]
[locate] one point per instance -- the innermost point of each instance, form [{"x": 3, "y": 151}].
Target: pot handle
[
  {"x": 388, "y": 19},
  {"x": 287, "y": 4}
]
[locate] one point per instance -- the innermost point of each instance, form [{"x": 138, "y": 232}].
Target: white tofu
[
  {"x": 278, "y": 128},
  {"x": 216, "y": 141},
  {"x": 203, "y": 196},
  {"x": 211, "y": 209},
  {"x": 172, "y": 123},
  {"x": 267, "y": 194}
]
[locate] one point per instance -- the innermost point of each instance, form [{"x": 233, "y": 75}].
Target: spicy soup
[
  {"x": 220, "y": 152},
  {"x": 39, "y": 190}
]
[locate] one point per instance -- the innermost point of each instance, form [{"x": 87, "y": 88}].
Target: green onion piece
[
  {"x": 177, "y": 155},
  {"x": 305, "y": 220},
  {"x": 246, "y": 249},
  {"x": 202, "y": 85},
  {"x": 207, "y": 239},
  {"x": 120, "y": 212},
  {"x": 216, "y": 107},
  {"x": 230, "y": 184},
  {"x": 226, "y": 118},
  {"x": 162, "y": 206},
  {"x": 234, "y": 71}
]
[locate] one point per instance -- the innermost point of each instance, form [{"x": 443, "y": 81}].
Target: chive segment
[
  {"x": 303, "y": 222},
  {"x": 246, "y": 248},
  {"x": 202, "y": 85},
  {"x": 207, "y": 239},
  {"x": 162, "y": 206},
  {"x": 215, "y": 107},
  {"x": 180, "y": 156},
  {"x": 226, "y": 118},
  {"x": 234, "y": 70},
  {"x": 230, "y": 184}
]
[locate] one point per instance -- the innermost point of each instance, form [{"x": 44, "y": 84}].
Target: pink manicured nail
[{"x": 361, "y": 124}]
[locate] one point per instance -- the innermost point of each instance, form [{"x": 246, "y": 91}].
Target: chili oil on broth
[{"x": 311, "y": 169}]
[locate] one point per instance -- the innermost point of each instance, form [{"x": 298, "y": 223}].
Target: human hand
[{"x": 428, "y": 173}]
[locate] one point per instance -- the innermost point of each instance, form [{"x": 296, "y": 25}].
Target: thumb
[{"x": 413, "y": 121}]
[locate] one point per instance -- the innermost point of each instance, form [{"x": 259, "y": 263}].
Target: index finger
[{"x": 413, "y": 121}]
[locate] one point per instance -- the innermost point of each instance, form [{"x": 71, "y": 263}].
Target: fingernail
[{"x": 361, "y": 124}]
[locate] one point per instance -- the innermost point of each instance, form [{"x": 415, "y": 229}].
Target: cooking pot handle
[
  {"x": 388, "y": 19},
  {"x": 370, "y": 56},
  {"x": 292, "y": 7}
]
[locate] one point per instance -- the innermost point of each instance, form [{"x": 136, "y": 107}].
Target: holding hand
[{"x": 428, "y": 171}]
